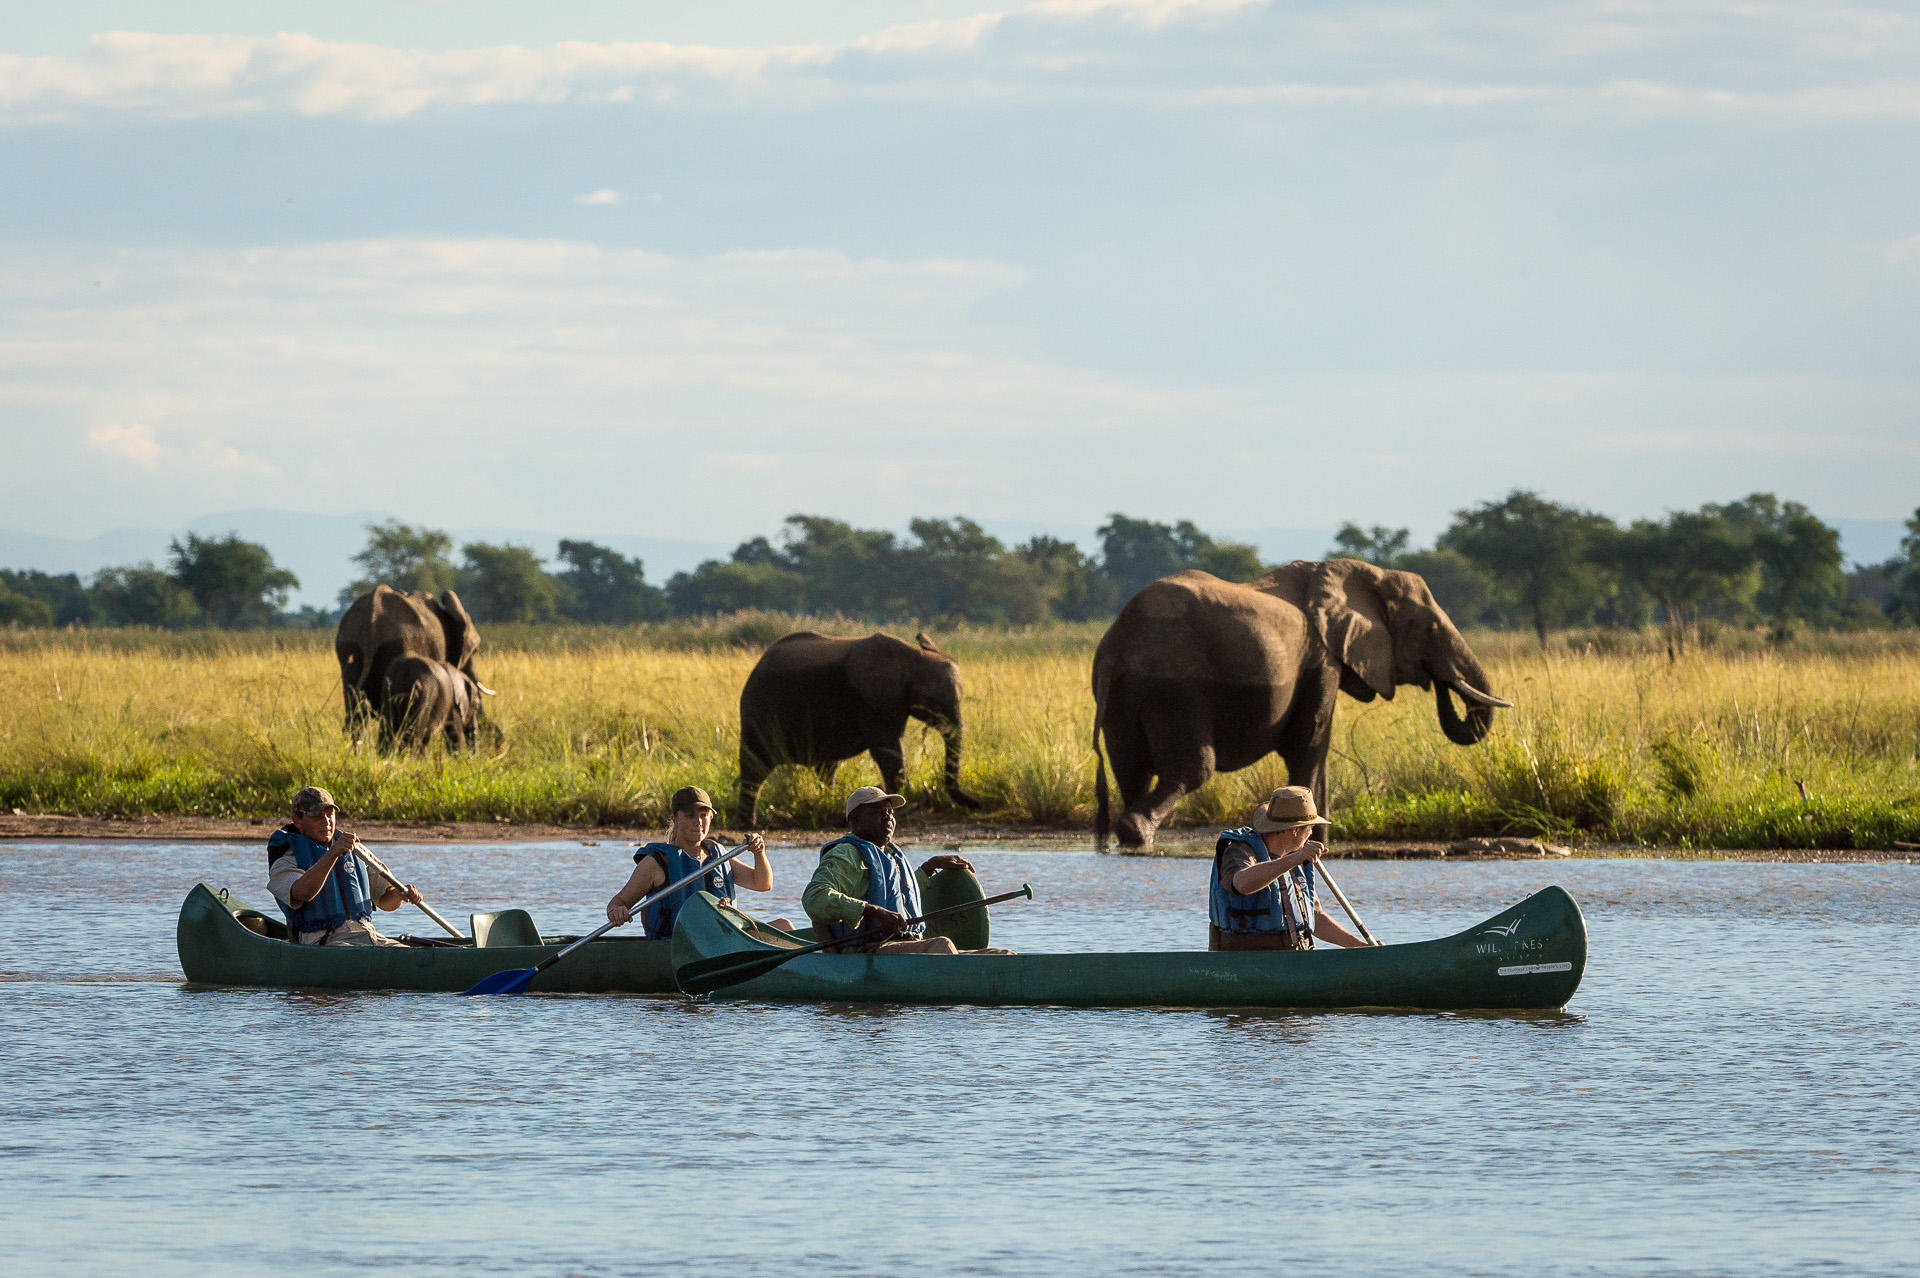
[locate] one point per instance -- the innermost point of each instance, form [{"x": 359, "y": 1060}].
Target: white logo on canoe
[{"x": 1509, "y": 929}]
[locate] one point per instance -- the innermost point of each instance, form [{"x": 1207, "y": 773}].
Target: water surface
[{"x": 1731, "y": 1091}]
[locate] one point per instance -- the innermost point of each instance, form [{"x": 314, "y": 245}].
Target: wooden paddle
[
  {"x": 1345, "y": 904},
  {"x": 516, "y": 979},
  {"x": 360, "y": 850},
  {"x": 704, "y": 976}
]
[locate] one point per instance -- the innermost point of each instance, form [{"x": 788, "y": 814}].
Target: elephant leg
[
  {"x": 753, "y": 775},
  {"x": 1181, "y": 749},
  {"x": 892, "y": 762},
  {"x": 1303, "y": 744}
]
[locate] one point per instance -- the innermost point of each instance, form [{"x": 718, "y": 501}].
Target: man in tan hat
[
  {"x": 327, "y": 893},
  {"x": 1261, "y": 896},
  {"x": 688, "y": 848},
  {"x": 863, "y": 881}
]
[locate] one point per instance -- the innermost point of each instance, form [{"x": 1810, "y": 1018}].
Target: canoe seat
[
  {"x": 503, "y": 928},
  {"x": 260, "y": 925}
]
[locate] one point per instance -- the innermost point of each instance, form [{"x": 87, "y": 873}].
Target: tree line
[{"x": 1522, "y": 561}]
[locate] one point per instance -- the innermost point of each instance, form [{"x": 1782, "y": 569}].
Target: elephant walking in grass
[
  {"x": 816, "y": 700},
  {"x": 1199, "y": 675},
  {"x": 422, "y": 698},
  {"x": 385, "y": 625}
]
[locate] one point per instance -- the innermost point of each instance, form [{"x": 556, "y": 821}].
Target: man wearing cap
[
  {"x": 688, "y": 848},
  {"x": 1261, "y": 896},
  {"x": 863, "y": 881},
  {"x": 327, "y": 893}
]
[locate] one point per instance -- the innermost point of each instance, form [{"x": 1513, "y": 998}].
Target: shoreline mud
[{"x": 1179, "y": 843}]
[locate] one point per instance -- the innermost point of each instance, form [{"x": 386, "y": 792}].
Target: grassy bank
[{"x": 1610, "y": 738}]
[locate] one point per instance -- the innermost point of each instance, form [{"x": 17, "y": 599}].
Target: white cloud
[
  {"x": 1786, "y": 61},
  {"x": 602, "y": 197},
  {"x": 129, "y": 441}
]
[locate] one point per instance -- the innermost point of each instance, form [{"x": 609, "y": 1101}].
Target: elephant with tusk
[
  {"x": 384, "y": 625},
  {"x": 815, "y": 700},
  {"x": 1199, "y": 675}
]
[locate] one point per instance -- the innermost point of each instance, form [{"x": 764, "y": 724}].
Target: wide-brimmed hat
[
  {"x": 311, "y": 800},
  {"x": 1288, "y": 808},
  {"x": 872, "y": 794},
  {"x": 691, "y": 798}
]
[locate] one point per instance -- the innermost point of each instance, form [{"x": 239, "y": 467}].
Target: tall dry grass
[{"x": 599, "y": 726}]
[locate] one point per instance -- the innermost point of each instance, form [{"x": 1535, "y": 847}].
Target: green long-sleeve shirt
[{"x": 837, "y": 893}]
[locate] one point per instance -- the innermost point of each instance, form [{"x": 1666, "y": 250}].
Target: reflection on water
[{"x": 1731, "y": 1091}]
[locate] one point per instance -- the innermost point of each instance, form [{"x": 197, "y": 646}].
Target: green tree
[
  {"x": 720, "y": 585},
  {"x": 1903, "y": 574},
  {"x": 605, "y": 587},
  {"x": 1691, "y": 565},
  {"x": 142, "y": 595},
  {"x": 66, "y": 600},
  {"x": 1134, "y": 552},
  {"x": 404, "y": 557},
  {"x": 1466, "y": 590},
  {"x": 234, "y": 583},
  {"x": 1802, "y": 574},
  {"x": 850, "y": 570},
  {"x": 956, "y": 571},
  {"x": 1071, "y": 582},
  {"x": 505, "y": 583},
  {"x": 1378, "y": 545},
  {"x": 17, "y": 609},
  {"x": 1540, "y": 552}
]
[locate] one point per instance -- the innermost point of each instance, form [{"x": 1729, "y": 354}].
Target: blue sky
[{"x": 678, "y": 271}]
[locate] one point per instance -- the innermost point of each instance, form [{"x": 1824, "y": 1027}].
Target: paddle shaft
[
  {"x": 360, "y": 849},
  {"x": 640, "y": 905},
  {"x": 1345, "y": 904},
  {"x": 736, "y": 969}
]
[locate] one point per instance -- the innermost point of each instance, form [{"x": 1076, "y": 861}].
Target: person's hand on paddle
[
  {"x": 881, "y": 918},
  {"x": 618, "y": 912},
  {"x": 411, "y": 894},
  {"x": 947, "y": 861}
]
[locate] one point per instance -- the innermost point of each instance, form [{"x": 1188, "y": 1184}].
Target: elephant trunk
[{"x": 1464, "y": 677}]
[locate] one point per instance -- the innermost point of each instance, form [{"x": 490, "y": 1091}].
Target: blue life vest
[
  {"x": 1285, "y": 905},
  {"x": 657, "y": 919},
  {"x": 890, "y": 884},
  {"x": 347, "y": 893}
]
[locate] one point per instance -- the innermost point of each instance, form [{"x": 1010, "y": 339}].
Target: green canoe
[
  {"x": 223, "y": 942},
  {"x": 1528, "y": 957}
]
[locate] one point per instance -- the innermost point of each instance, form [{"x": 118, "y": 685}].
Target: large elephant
[
  {"x": 422, "y": 698},
  {"x": 384, "y": 625},
  {"x": 815, "y": 700},
  {"x": 1199, "y": 675}
]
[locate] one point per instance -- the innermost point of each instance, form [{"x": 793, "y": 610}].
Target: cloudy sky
[{"x": 675, "y": 270}]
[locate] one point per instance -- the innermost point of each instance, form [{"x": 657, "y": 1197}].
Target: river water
[{"x": 1732, "y": 1090}]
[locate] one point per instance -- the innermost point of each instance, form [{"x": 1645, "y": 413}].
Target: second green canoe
[{"x": 1527, "y": 957}]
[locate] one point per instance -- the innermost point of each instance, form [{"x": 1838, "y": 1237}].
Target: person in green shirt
[{"x": 863, "y": 881}]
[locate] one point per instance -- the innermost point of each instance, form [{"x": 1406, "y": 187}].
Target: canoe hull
[
  {"x": 215, "y": 949},
  {"x": 1528, "y": 957}
]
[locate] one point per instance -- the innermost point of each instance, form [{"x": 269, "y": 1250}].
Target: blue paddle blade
[{"x": 511, "y": 981}]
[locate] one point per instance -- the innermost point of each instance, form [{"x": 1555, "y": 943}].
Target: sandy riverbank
[{"x": 1173, "y": 843}]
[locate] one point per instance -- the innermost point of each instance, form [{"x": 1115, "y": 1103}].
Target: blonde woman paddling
[{"x": 687, "y": 848}]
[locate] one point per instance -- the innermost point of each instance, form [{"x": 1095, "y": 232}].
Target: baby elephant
[{"x": 424, "y": 696}]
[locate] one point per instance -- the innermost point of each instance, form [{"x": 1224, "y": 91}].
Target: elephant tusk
[
  {"x": 1472, "y": 694},
  {"x": 485, "y": 690}
]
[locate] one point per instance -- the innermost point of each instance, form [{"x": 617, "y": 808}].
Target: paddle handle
[
  {"x": 360, "y": 849},
  {"x": 1025, "y": 889},
  {"x": 1345, "y": 904},
  {"x": 641, "y": 904}
]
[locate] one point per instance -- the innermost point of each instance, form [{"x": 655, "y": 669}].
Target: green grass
[{"x": 1609, "y": 739}]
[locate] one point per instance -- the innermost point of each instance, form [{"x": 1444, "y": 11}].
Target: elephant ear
[
  {"x": 463, "y": 637},
  {"x": 1345, "y": 599},
  {"x": 880, "y": 670}
]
